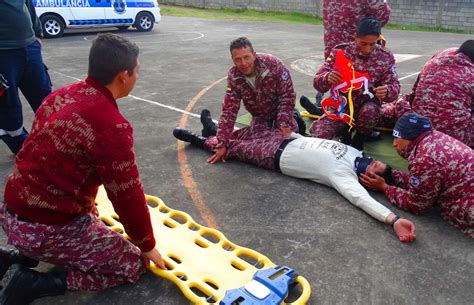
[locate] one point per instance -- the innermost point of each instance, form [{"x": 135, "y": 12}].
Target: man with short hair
[
  {"x": 444, "y": 93},
  {"x": 340, "y": 18},
  {"x": 79, "y": 140},
  {"x": 21, "y": 68},
  {"x": 323, "y": 161},
  {"x": 366, "y": 57},
  {"x": 440, "y": 173},
  {"x": 263, "y": 83}
]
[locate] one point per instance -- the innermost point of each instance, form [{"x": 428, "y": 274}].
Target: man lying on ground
[{"x": 323, "y": 161}]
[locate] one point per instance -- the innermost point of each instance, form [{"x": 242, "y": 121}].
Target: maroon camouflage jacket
[
  {"x": 440, "y": 173},
  {"x": 380, "y": 64},
  {"x": 341, "y": 18},
  {"x": 272, "y": 100},
  {"x": 444, "y": 92}
]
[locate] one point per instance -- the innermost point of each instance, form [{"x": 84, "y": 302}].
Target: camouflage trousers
[
  {"x": 256, "y": 144},
  {"x": 366, "y": 117},
  {"x": 464, "y": 132},
  {"x": 391, "y": 112},
  {"x": 96, "y": 257}
]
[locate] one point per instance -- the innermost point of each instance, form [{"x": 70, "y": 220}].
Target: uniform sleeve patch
[
  {"x": 414, "y": 181},
  {"x": 394, "y": 69},
  {"x": 285, "y": 76}
]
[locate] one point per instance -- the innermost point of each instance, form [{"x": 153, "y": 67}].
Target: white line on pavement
[{"x": 177, "y": 109}]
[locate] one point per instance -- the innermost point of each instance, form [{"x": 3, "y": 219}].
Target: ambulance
[{"x": 57, "y": 15}]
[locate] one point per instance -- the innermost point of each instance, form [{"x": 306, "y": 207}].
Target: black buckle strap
[{"x": 279, "y": 151}]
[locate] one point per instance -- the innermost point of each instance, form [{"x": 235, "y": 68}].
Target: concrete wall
[{"x": 450, "y": 14}]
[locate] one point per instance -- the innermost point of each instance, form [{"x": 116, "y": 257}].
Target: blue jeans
[{"x": 23, "y": 69}]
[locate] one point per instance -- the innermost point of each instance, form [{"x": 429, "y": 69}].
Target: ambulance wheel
[
  {"x": 144, "y": 22},
  {"x": 53, "y": 26}
]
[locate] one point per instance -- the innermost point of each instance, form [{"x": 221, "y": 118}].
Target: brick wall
[{"x": 450, "y": 14}]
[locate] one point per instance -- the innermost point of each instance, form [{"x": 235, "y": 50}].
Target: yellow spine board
[{"x": 201, "y": 261}]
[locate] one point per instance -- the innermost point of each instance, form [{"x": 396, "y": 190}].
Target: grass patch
[
  {"x": 239, "y": 14},
  {"x": 254, "y": 15},
  {"x": 422, "y": 29}
]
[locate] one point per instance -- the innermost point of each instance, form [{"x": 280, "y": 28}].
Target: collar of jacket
[
  {"x": 410, "y": 150},
  {"x": 102, "y": 89}
]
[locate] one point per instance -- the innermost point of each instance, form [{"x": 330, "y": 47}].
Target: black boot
[
  {"x": 346, "y": 137},
  {"x": 358, "y": 141},
  {"x": 309, "y": 106},
  {"x": 188, "y": 136},
  {"x": 27, "y": 285},
  {"x": 209, "y": 127},
  {"x": 15, "y": 143},
  {"x": 9, "y": 257},
  {"x": 299, "y": 120}
]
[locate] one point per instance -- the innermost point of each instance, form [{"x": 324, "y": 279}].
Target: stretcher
[{"x": 205, "y": 265}]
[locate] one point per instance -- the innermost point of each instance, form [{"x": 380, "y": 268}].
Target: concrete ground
[{"x": 348, "y": 257}]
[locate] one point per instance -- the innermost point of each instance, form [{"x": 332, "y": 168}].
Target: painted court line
[
  {"x": 186, "y": 172},
  {"x": 146, "y": 100},
  {"x": 189, "y": 182}
]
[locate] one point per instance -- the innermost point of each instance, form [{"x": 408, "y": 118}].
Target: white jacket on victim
[{"x": 331, "y": 163}]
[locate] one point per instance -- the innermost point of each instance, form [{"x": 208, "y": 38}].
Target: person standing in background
[
  {"x": 21, "y": 67},
  {"x": 340, "y": 18}
]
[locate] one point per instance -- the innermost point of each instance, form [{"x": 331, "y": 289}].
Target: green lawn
[
  {"x": 253, "y": 15},
  {"x": 238, "y": 14}
]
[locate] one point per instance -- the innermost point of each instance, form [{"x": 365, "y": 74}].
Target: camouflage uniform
[
  {"x": 440, "y": 173},
  {"x": 444, "y": 92},
  {"x": 391, "y": 112},
  {"x": 79, "y": 140},
  {"x": 380, "y": 64},
  {"x": 271, "y": 103},
  {"x": 251, "y": 145},
  {"x": 341, "y": 18},
  {"x": 95, "y": 256}
]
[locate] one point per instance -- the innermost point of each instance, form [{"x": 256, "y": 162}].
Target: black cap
[
  {"x": 369, "y": 26},
  {"x": 411, "y": 125},
  {"x": 361, "y": 164}
]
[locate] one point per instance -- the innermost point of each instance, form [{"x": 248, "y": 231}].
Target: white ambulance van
[{"x": 57, "y": 15}]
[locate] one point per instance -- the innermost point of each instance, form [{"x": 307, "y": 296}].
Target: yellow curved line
[{"x": 186, "y": 172}]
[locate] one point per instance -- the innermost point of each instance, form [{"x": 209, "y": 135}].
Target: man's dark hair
[
  {"x": 240, "y": 43},
  {"x": 467, "y": 48},
  {"x": 368, "y": 26},
  {"x": 387, "y": 176},
  {"x": 111, "y": 54}
]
